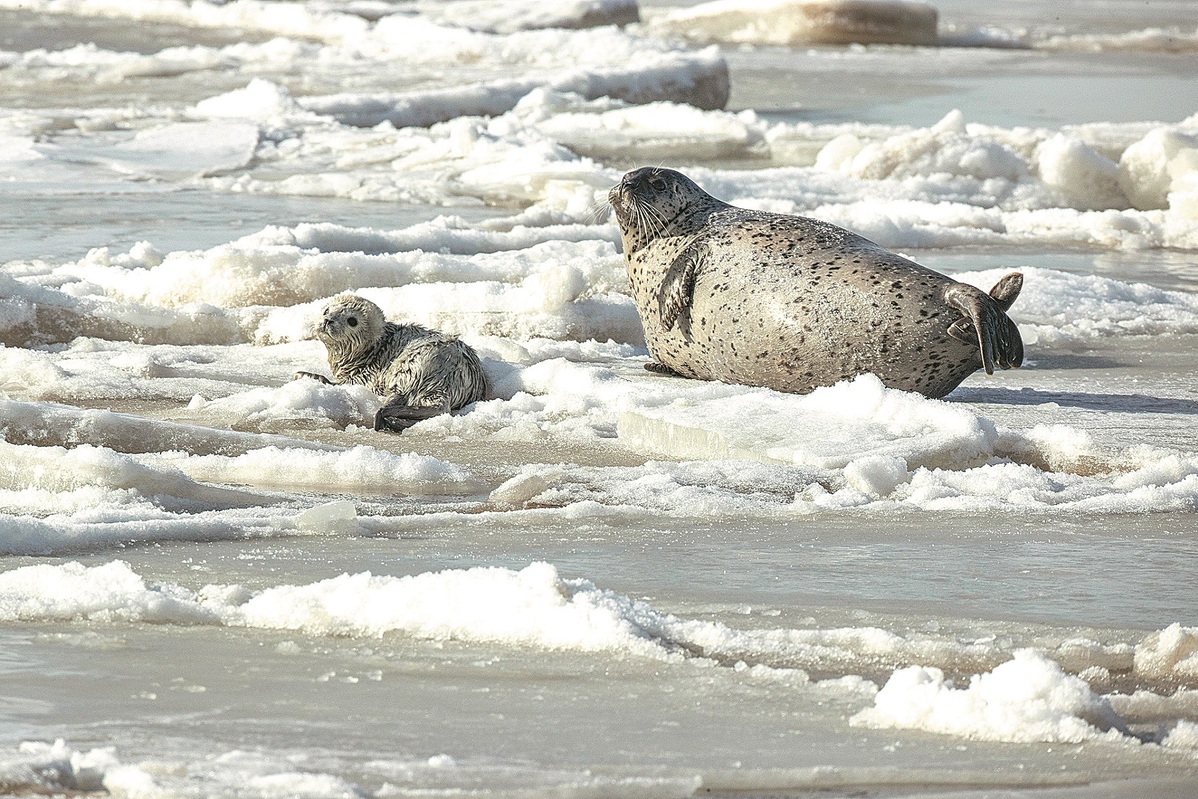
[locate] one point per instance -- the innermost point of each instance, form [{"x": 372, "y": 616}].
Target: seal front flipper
[
  {"x": 678, "y": 285},
  {"x": 997, "y": 337},
  {"x": 397, "y": 415},
  {"x": 661, "y": 369}
]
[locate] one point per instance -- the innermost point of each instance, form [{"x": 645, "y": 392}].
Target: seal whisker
[
  {"x": 597, "y": 211},
  {"x": 650, "y": 219},
  {"x": 662, "y": 222}
]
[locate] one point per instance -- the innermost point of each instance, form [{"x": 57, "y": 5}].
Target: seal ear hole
[{"x": 352, "y": 321}]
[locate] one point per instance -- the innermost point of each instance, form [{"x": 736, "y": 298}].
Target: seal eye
[
  {"x": 352, "y": 321},
  {"x": 657, "y": 184}
]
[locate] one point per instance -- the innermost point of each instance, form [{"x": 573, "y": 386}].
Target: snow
[
  {"x": 1169, "y": 653},
  {"x": 1151, "y": 169},
  {"x": 841, "y": 423},
  {"x": 360, "y": 470},
  {"x": 1028, "y": 698},
  {"x": 536, "y": 607},
  {"x": 514, "y": 15},
  {"x": 56, "y": 767},
  {"x": 1183, "y": 736},
  {"x": 452, "y": 161}
]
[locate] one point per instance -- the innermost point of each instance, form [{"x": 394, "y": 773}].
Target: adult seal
[
  {"x": 421, "y": 372},
  {"x": 791, "y": 303}
]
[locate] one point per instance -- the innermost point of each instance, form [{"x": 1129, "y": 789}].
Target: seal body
[
  {"x": 422, "y": 373},
  {"x": 792, "y": 303}
]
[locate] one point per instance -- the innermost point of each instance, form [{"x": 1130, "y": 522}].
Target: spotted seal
[
  {"x": 422, "y": 373},
  {"x": 792, "y": 303}
]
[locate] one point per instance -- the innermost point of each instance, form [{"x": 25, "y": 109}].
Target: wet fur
[
  {"x": 423, "y": 373},
  {"x": 792, "y": 303}
]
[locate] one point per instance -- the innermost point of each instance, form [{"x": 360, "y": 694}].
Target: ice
[
  {"x": 529, "y": 607},
  {"x": 30, "y": 313},
  {"x": 1077, "y": 170},
  {"x": 802, "y": 22},
  {"x": 447, "y": 235},
  {"x": 48, "y": 424},
  {"x": 43, "y": 767},
  {"x": 180, "y": 150},
  {"x": 654, "y": 131},
  {"x": 259, "y": 100},
  {"x": 715, "y": 578},
  {"x": 1169, "y": 653},
  {"x": 515, "y": 15},
  {"x": 1183, "y": 736},
  {"x": 255, "y": 271},
  {"x": 278, "y": 18},
  {"x": 56, "y": 766},
  {"x": 1028, "y": 698},
  {"x": 700, "y": 79},
  {"x": 520, "y": 295},
  {"x": 338, "y": 517},
  {"x": 110, "y": 591},
  {"x": 952, "y": 183},
  {"x": 1152, "y": 40},
  {"x": 886, "y": 446},
  {"x": 299, "y": 404},
  {"x": 63, "y": 470},
  {"x": 1064, "y": 307},
  {"x": 1152, "y": 168},
  {"x": 518, "y": 491},
  {"x": 828, "y": 428},
  {"x": 360, "y": 470},
  {"x": 876, "y": 475}
]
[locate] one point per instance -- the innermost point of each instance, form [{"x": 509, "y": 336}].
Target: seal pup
[
  {"x": 422, "y": 373},
  {"x": 792, "y": 303}
]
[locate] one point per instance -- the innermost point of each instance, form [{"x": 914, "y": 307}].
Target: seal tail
[{"x": 986, "y": 321}]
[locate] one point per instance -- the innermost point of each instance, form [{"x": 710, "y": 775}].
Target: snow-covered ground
[{"x": 217, "y": 581}]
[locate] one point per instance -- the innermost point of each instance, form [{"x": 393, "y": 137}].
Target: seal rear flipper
[
  {"x": 678, "y": 285},
  {"x": 1006, "y": 290},
  {"x": 1004, "y": 293},
  {"x": 398, "y": 416},
  {"x": 996, "y": 335}
]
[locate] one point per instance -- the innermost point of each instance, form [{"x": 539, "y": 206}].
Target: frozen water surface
[{"x": 599, "y": 582}]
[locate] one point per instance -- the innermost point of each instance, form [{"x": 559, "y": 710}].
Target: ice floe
[
  {"x": 1028, "y": 698},
  {"x": 803, "y": 22}
]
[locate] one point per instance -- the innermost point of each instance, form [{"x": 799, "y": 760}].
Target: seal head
[
  {"x": 650, "y": 200},
  {"x": 349, "y": 327}
]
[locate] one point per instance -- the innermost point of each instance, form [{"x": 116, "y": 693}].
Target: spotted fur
[
  {"x": 420, "y": 371},
  {"x": 792, "y": 303}
]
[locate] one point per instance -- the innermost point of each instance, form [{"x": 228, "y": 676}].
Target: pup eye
[
  {"x": 657, "y": 184},
  {"x": 352, "y": 321}
]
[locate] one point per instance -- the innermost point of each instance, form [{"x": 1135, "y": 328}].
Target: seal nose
[
  {"x": 637, "y": 178},
  {"x": 622, "y": 192}
]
